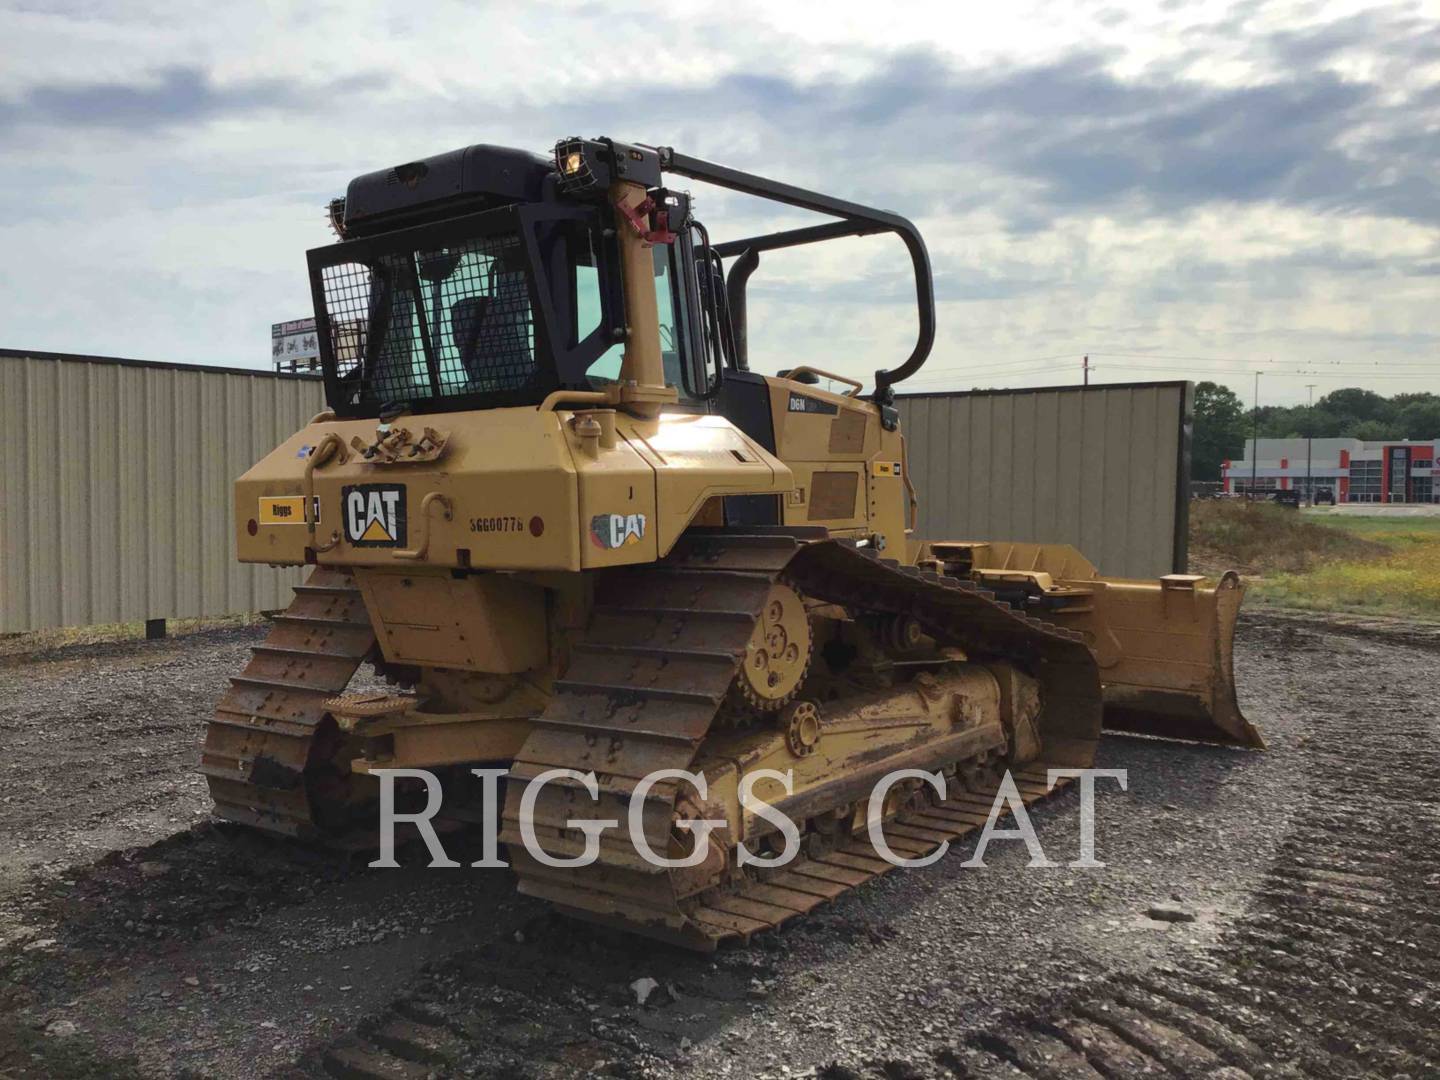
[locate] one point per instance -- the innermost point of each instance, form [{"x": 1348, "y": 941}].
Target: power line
[
  {"x": 1309, "y": 373},
  {"x": 1330, "y": 371},
  {"x": 962, "y": 372},
  {"x": 1302, "y": 366},
  {"x": 1236, "y": 362},
  {"x": 997, "y": 378},
  {"x": 1190, "y": 359},
  {"x": 1008, "y": 363},
  {"x": 1077, "y": 360},
  {"x": 1004, "y": 367},
  {"x": 1288, "y": 373},
  {"x": 1378, "y": 363},
  {"x": 1249, "y": 365},
  {"x": 988, "y": 380},
  {"x": 1059, "y": 364}
]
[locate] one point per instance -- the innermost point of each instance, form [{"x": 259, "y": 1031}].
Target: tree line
[{"x": 1223, "y": 423}]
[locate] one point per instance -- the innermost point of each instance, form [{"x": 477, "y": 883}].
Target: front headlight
[{"x": 575, "y": 162}]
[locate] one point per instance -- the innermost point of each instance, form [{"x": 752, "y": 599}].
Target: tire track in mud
[
  {"x": 187, "y": 887},
  {"x": 543, "y": 1004},
  {"x": 1332, "y": 973},
  {"x": 218, "y": 934},
  {"x": 163, "y": 942}
]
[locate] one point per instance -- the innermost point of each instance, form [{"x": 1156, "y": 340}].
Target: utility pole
[
  {"x": 1255, "y": 438},
  {"x": 1085, "y": 367},
  {"x": 1309, "y": 441}
]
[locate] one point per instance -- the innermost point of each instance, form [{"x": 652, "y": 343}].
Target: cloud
[
  {"x": 1408, "y": 40},
  {"x": 174, "y": 97},
  {"x": 916, "y": 129},
  {"x": 1165, "y": 175},
  {"x": 1080, "y": 137}
]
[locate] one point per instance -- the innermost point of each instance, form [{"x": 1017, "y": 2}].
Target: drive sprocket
[{"x": 777, "y": 657}]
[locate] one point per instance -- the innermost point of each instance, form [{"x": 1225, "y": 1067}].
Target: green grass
[
  {"x": 1394, "y": 531},
  {"x": 1324, "y": 562},
  {"x": 1405, "y": 581}
]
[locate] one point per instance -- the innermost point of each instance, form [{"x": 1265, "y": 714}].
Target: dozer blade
[
  {"x": 1166, "y": 654},
  {"x": 1165, "y": 647}
]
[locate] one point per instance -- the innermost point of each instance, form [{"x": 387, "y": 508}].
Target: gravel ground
[{"x": 136, "y": 936}]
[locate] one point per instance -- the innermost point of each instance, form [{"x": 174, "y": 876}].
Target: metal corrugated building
[
  {"x": 116, "y": 505},
  {"x": 116, "y": 501},
  {"x": 1105, "y": 468}
]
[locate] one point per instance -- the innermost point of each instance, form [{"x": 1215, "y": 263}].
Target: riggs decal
[
  {"x": 374, "y": 514},
  {"x": 287, "y": 510},
  {"x": 616, "y": 530}
]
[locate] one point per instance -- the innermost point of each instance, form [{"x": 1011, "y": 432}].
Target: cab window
[{"x": 672, "y": 320}]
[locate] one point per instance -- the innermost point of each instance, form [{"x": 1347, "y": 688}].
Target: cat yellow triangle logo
[
  {"x": 374, "y": 514},
  {"x": 375, "y": 534}
]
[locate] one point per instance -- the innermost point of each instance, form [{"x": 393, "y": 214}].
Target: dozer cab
[{"x": 554, "y": 508}]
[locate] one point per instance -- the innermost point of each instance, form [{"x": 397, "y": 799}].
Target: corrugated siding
[
  {"x": 1097, "y": 467},
  {"x": 115, "y": 499}
]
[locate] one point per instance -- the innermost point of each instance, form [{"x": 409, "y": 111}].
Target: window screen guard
[{"x": 461, "y": 314}]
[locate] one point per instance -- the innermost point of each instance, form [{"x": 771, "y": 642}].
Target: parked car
[
  {"x": 1324, "y": 495},
  {"x": 1289, "y": 498}
]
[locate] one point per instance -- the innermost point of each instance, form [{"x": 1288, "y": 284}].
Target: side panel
[
  {"x": 617, "y": 506},
  {"x": 512, "y": 489},
  {"x": 827, "y": 486},
  {"x": 696, "y": 458},
  {"x": 889, "y": 508},
  {"x": 849, "y": 471},
  {"x": 481, "y": 622},
  {"x": 507, "y": 477}
]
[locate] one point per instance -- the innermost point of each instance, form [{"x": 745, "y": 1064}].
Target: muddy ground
[{"x": 138, "y": 938}]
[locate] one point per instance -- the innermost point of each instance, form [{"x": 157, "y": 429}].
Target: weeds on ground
[
  {"x": 1380, "y": 565},
  {"x": 1406, "y": 582},
  {"x": 1263, "y": 538}
]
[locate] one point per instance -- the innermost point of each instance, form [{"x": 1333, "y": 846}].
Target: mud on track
[{"x": 175, "y": 947}]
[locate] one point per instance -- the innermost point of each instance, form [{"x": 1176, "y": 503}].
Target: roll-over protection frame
[{"x": 854, "y": 220}]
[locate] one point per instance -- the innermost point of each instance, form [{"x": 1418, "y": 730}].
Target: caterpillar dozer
[{"x": 569, "y": 526}]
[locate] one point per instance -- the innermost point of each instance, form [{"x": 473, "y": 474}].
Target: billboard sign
[{"x": 293, "y": 341}]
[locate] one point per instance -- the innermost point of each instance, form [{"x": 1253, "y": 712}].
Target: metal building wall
[
  {"x": 115, "y": 501},
  {"x": 1105, "y": 468}
]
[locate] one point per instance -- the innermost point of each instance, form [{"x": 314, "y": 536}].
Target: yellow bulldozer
[{"x": 582, "y": 541}]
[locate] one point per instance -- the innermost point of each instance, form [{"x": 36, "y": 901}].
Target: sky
[{"x": 1176, "y": 189}]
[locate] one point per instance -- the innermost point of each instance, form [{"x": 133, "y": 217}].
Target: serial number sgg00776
[{"x": 503, "y": 523}]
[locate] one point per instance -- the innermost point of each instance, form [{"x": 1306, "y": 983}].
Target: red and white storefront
[{"x": 1394, "y": 471}]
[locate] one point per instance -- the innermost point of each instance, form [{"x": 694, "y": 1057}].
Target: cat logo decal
[
  {"x": 374, "y": 514},
  {"x": 612, "y": 531}
]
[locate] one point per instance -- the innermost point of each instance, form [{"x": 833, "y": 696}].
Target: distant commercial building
[
  {"x": 294, "y": 346},
  {"x": 1393, "y": 471}
]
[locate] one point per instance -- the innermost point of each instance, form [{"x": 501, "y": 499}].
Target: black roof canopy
[{"x": 479, "y": 177}]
